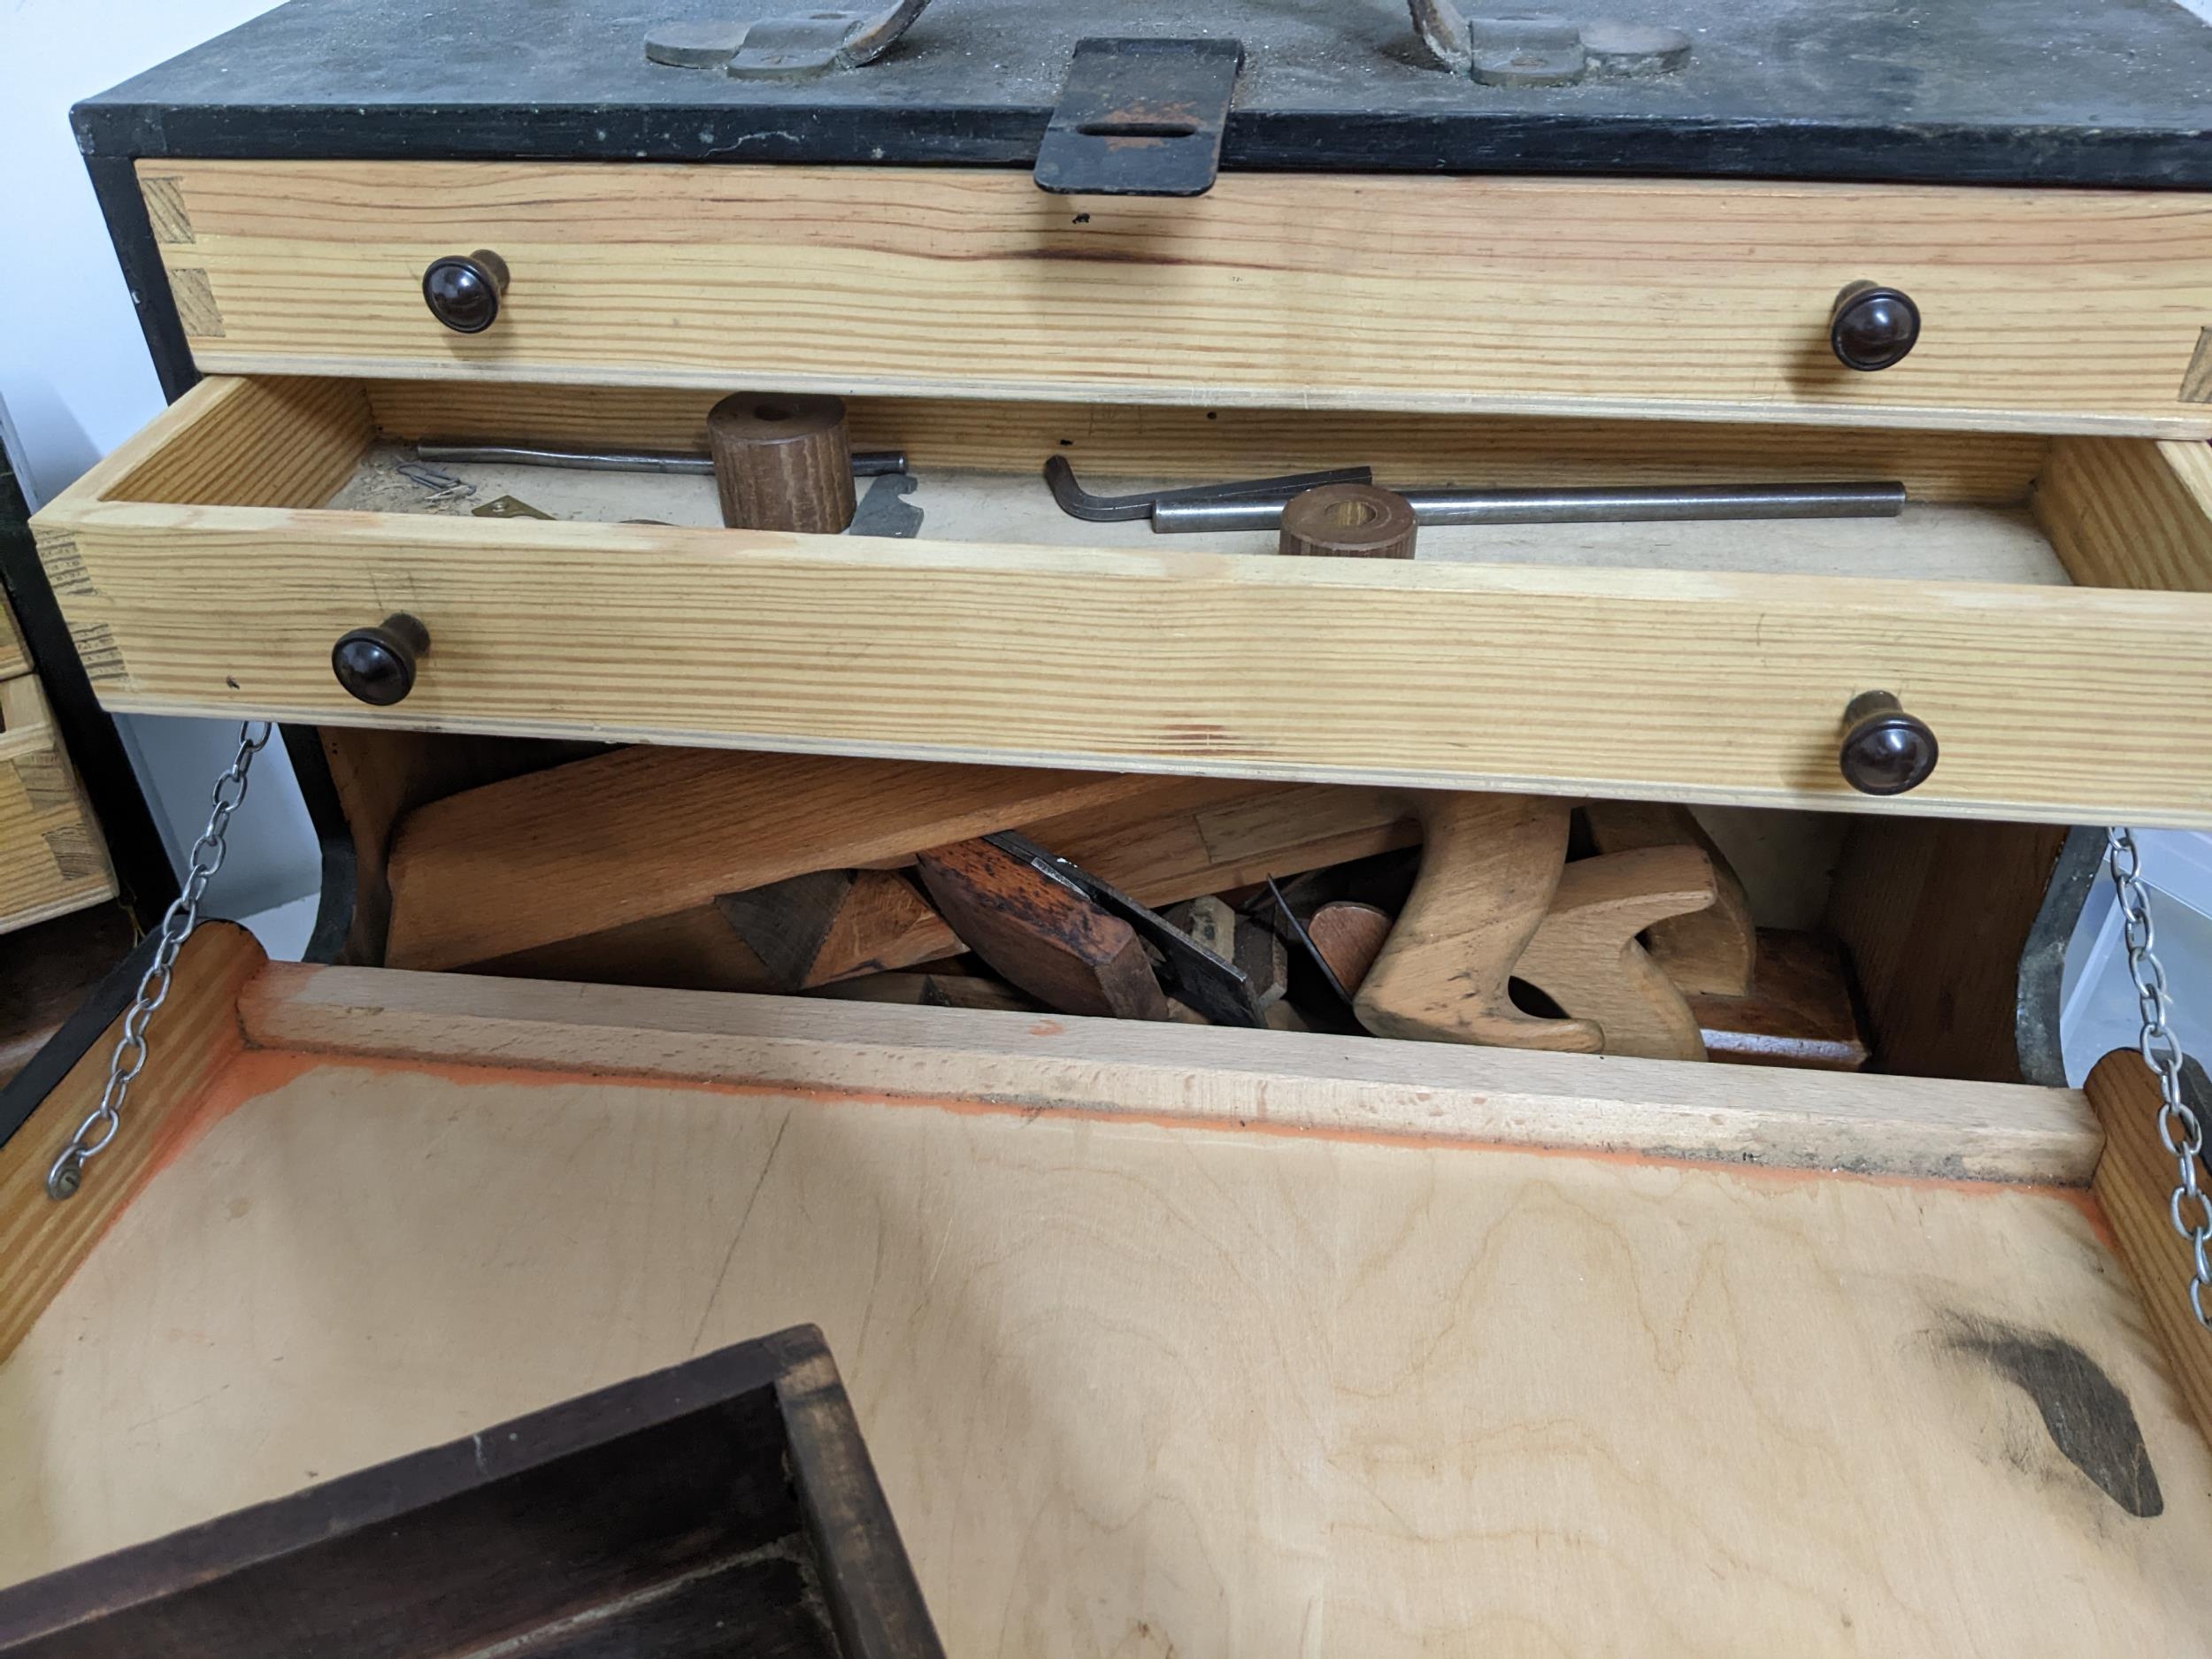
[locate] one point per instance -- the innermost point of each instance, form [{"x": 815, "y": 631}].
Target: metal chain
[
  {"x": 2178, "y": 1127},
  {"x": 177, "y": 923}
]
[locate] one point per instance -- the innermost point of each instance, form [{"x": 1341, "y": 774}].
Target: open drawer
[
  {"x": 52, "y": 859},
  {"x": 1164, "y": 1338},
  {"x": 2042, "y": 602}
]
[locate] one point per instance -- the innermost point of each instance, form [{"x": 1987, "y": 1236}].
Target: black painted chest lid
[{"x": 2058, "y": 92}]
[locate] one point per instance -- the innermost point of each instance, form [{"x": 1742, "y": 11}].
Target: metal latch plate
[{"x": 1140, "y": 118}]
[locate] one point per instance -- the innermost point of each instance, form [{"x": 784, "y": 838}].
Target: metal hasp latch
[
  {"x": 1140, "y": 118},
  {"x": 806, "y": 44},
  {"x": 1527, "y": 49}
]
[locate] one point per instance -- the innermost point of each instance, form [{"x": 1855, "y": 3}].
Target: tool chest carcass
[{"x": 859, "y": 788}]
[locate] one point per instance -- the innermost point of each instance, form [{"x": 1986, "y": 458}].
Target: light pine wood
[
  {"x": 1622, "y": 683},
  {"x": 53, "y": 859},
  {"x": 1711, "y": 952},
  {"x": 1331, "y": 1425},
  {"x": 2135, "y": 1183},
  {"x": 43, "y": 1242},
  {"x": 1585, "y": 957},
  {"x": 2129, "y": 515},
  {"x": 14, "y": 659},
  {"x": 1290, "y": 1081},
  {"x": 1490, "y": 865},
  {"x": 645, "y": 831},
  {"x": 1170, "y": 442},
  {"x": 1706, "y": 299}
]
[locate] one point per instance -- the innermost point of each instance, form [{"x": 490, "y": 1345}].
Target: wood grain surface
[
  {"x": 1712, "y": 952},
  {"x": 1490, "y": 865},
  {"x": 1040, "y": 933},
  {"x": 1801, "y": 1012},
  {"x": 645, "y": 831},
  {"x": 1637, "y": 683},
  {"x": 2135, "y": 1183},
  {"x": 1703, "y": 299},
  {"x": 1134, "y": 1387},
  {"x": 196, "y": 1031},
  {"x": 1585, "y": 956},
  {"x": 2129, "y": 515},
  {"x": 53, "y": 858}
]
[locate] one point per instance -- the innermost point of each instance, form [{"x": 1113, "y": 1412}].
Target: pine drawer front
[
  {"x": 52, "y": 859},
  {"x": 1700, "y": 685},
  {"x": 2048, "y": 311}
]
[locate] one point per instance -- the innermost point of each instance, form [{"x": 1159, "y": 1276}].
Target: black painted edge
[
  {"x": 2043, "y": 958},
  {"x": 1270, "y": 140},
  {"x": 334, "y": 838},
  {"x": 875, "y": 1601},
  {"x": 38, "y": 1608},
  {"x": 145, "y": 878},
  {"x": 77, "y": 1036},
  {"x": 115, "y": 185}
]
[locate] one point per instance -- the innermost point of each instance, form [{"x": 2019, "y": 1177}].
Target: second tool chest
[{"x": 1460, "y": 1303}]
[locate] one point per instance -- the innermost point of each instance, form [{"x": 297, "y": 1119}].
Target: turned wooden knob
[
  {"x": 1872, "y": 328},
  {"x": 1355, "y": 521},
  {"x": 378, "y": 664},
  {"x": 782, "y": 462},
  {"x": 1885, "y": 751},
  {"x": 463, "y": 290}
]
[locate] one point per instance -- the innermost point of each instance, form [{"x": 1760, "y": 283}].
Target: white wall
[{"x": 76, "y": 381}]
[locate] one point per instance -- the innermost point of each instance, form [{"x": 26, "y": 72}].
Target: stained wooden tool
[
  {"x": 1585, "y": 958},
  {"x": 1349, "y": 936},
  {"x": 1358, "y": 521},
  {"x": 782, "y": 462},
  {"x": 1799, "y": 1013},
  {"x": 1262, "y": 956},
  {"x": 1713, "y": 952},
  {"x": 724, "y": 1505},
  {"x": 646, "y": 832},
  {"x": 834, "y": 924},
  {"x": 1169, "y": 839},
  {"x": 1046, "y": 938},
  {"x": 1489, "y": 866}
]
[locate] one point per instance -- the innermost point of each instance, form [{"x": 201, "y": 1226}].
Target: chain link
[
  {"x": 2178, "y": 1127},
  {"x": 177, "y": 923}
]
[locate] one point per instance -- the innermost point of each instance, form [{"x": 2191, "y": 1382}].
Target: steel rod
[
  {"x": 866, "y": 462},
  {"x": 1649, "y": 506}
]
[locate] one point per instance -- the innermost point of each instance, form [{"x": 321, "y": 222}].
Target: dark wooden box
[{"x": 724, "y": 1506}]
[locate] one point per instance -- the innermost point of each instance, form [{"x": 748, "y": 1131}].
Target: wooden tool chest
[{"x": 1165, "y": 1336}]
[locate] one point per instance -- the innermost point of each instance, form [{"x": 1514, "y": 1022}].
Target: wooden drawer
[
  {"x": 52, "y": 859},
  {"x": 2049, "y": 311},
  {"x": 1161, "y": 1338},
  {"x": 2011, "y": 607}
]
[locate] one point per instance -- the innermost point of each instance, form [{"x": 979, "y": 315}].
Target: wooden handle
[
  {"x": 1347, "y": 521},
  {"x": 1489, "y": 866},
  {"x": 782, "y": 462},
  {"x": 1585, "y": 955}
]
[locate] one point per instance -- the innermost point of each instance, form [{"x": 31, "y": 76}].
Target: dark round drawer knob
[
  {"x": 378, "y": 664},
  {"x": 1873, "y": 327},
  {"x": 463, "y": 290},
  {"x": 1885, "y": 751}
]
